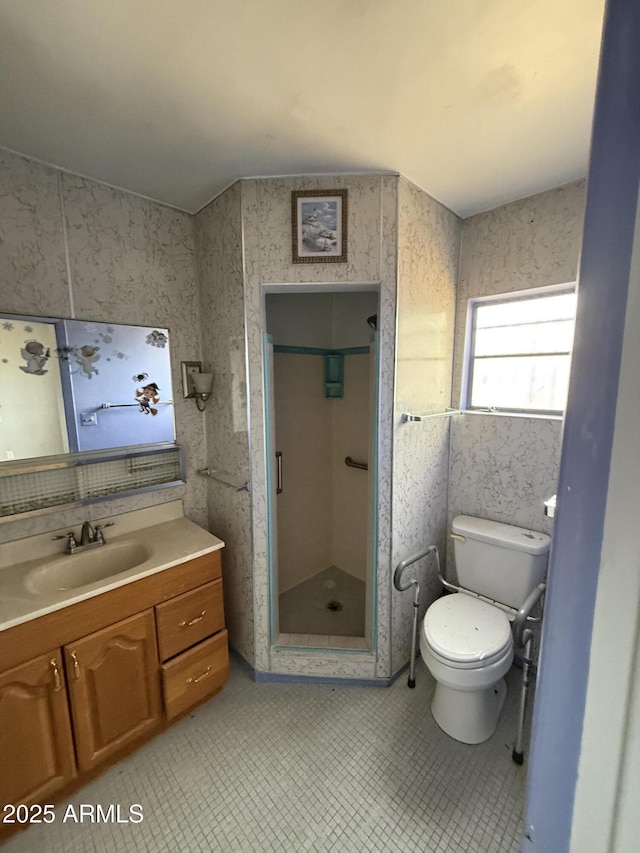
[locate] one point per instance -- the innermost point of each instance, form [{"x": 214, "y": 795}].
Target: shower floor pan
[{"x": 331, "y": 603}]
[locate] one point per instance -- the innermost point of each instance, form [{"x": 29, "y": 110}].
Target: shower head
[{"x": 373, "y": 322}]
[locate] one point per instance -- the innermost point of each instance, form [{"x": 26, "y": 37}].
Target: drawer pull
[
  {"x": 57, "y": 683},
  {"x": 76, "y": 666},
  {"x": 194, "y": 621},
  {"x": 200, "y": 677}
]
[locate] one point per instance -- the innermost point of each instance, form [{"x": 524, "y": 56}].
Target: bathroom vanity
[{"x": 90, "y": 671}]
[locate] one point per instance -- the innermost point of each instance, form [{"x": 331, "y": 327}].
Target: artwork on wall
[{"x": 319, "y": 226}]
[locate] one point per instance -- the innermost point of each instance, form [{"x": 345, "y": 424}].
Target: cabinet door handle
[
  {"x": 76, "y": 666},
  {"x": 200, "y": 677},
  {"x": 194, "y": 621},
  {"x": 57, "y": 682}
]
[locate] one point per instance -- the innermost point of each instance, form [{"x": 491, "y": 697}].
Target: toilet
[{"x": 465, "y": 638}]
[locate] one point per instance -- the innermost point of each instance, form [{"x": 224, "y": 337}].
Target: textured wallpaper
[
  {"x": 363, "y": 228},
  {"x": 219, "y": 248},
  {"x": 502, "y": 467},
  {"x": 130, "y": 261},
  {"x": 428, "y": 252},
  {"x": 33, "y": 274}
]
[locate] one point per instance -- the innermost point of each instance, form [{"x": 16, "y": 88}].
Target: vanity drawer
[
  {"x": 194, "y": 675},
  {"x": 186, "y": 619}
]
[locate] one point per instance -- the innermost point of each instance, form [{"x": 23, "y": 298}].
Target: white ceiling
[{"x": 478, "y": 102}]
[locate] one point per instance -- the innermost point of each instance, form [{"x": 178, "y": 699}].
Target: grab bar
[
  {"x": 348, "y": 461},
  {"x": 213, "y": 475}
]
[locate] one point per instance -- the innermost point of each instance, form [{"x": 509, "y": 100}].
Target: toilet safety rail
[
  {"x": 401, "y": 586},
  {"x": 523, "y": 636}
]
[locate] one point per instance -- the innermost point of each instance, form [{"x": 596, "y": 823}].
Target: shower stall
[{"x": 321, "y": 357}]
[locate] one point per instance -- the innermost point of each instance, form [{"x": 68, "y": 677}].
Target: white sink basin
[{"x": 84, "y": 568}]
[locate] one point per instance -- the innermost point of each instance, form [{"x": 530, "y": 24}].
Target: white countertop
[{"x": 171, "y": 540}]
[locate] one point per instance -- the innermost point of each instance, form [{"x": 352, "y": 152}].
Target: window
[{"x": 519, "y": 351}]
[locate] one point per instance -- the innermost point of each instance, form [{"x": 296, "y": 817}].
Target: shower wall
[
  {"x": 303, "y": 435},
  {"x": 352, "y": 426}
]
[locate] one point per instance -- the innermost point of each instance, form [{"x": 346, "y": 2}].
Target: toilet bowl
[{"x": 467, "y": 645}]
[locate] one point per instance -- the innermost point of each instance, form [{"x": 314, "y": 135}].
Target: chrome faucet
[{"x": 90, "y": 537}]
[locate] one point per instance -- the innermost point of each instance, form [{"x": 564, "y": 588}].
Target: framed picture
[
  {"x": 188, "y": 369},
  {"x": 319, "y": 226}
]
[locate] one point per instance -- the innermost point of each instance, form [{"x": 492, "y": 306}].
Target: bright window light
[{"x": 520, "y": 352}]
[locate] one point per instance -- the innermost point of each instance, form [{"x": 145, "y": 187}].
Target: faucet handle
[
  {"x": 98, "y": 535},
  {"x": 71, "y": 541}
]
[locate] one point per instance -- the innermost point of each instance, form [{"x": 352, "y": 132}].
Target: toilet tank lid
[{"x": 504, "y": 535}]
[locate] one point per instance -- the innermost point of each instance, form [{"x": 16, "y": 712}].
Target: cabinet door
[
  {"x": 114, "y": 685},
  {"x": 36, "y": 748}
]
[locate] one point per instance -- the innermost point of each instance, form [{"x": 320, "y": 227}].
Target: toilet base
[{"x": 470, "y": 716}]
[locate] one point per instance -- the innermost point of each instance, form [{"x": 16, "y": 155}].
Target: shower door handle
[{"x": 278, "y": 472}]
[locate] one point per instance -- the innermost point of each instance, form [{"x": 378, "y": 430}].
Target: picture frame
[
  {"x": 319, "y": 226},
  {"x": 188, "y": 369}
]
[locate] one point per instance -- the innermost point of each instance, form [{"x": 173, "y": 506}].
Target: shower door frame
[{"x": 371, "y": 604}]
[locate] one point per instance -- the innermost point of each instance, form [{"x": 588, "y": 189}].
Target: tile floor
[
  {"x": 306, "y": 767},
  {"x": 304, "y": 608}
]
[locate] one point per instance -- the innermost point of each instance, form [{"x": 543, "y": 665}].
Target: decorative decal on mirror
[
  {"x": 147, "y": 396},
  {"x": 84, "y": 372},
  {"x": 36, "y": 356},
  {"x": 157, "y": 339},
  {"x": 85, "y": 357}
]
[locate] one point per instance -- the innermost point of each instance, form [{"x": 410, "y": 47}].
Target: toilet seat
[{"x": 465, "y": 632}]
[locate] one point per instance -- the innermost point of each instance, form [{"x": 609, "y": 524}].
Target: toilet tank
[{"x": 497, "y": 560}]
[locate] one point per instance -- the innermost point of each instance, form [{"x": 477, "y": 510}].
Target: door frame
[{"x": 269, "y": 444}]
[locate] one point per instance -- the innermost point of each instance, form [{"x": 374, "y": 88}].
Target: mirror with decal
[{"x": 76, "y": 385}]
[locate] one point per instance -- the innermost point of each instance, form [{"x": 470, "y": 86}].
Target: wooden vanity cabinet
[
  {"x": 124, "y": 664},
  {"x": 114, "y": 688},
  {"x": 36, "y": 746}
]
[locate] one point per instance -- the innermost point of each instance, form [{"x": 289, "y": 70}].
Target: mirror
[{"x": 76, "y": 385}]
